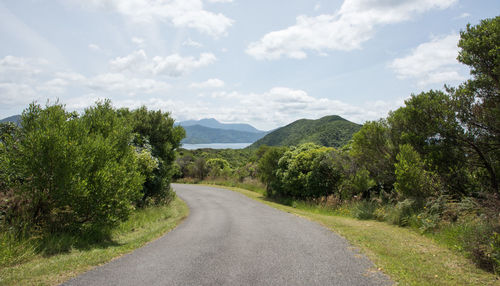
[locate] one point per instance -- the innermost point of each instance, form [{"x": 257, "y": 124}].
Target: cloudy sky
[{"x": 263, "y": 62}]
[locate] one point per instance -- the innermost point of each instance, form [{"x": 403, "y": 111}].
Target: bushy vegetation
[
  {"x": 433, "y": 164},
  {"x": 82, "y": 174}
]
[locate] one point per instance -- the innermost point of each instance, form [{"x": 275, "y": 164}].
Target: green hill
[{"x": 330, "y": 131}]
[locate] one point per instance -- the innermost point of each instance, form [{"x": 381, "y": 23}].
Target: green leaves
[{"x": 78, "y": 173}]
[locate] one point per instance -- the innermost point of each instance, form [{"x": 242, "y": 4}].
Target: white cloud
[
  {"x": 138, "y": 41},
  {"x": 16, "y": 94},
  {"x": 219, "y": 1},
  {"x": 191, "y": 43},
  {"x": 70, "y": 76},
  {"x": 173, "y": 65},
  {"x": 176, "y": 65},
  {"x": 117, "y": 82},
  {"x": 13, "y": 68},
  {"x": 431, "y": 62},
  {"x": 180, "y": 13},
  {"x": 20, "y": 79},
  {"x": 209, "y": 83},
  {"x": 54, "y": 86},
  {"x": 134, "y": 61},
  {"x": 94, "y": 47},
  {"x": 344, "y": 30}
]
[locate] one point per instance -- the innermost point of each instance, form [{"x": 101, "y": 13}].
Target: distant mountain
[
  {"x": 213, "y": 123},
  {"x": 330, "y": 131},
  {"x": 197, "y": 134},
  {"x": 15, "y": 119}
]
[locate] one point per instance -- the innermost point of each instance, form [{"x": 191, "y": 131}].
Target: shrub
[
  {"x": 482, "y": 241},
  {"x": 74, "y": 174},
  {"x": 412, "y": 180},
  {"x": 267, "y": 167},
  {"x": 218, "y": 167},
  {"x": 402, "y": 212},
  {"x": 155, "y": 132},
  {"x": 307, "y": 171},
  {"x": 364, "y": 210},
  {"x": 358, "y": 183}
]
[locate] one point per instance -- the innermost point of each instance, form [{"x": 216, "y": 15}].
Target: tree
[
  {"x": 156, "y": 132},
  {"x": 477, "y": 101},
  {"x": 268, "y": 164},
  {"x": 372, "y": 148},
  {"x": 428, "y": 123},
  {"x": 412, "y": 180}
]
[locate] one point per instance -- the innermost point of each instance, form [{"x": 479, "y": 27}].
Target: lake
[{"x": 216, "y": 146}]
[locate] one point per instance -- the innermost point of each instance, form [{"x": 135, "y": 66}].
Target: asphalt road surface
[{"x": 229, "y": 239}]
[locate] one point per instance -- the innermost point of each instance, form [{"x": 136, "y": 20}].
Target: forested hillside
[{"x": 330, "y": 131}]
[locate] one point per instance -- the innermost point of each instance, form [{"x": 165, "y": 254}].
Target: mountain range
[
  {"x": 213, "y": 123},
  {"x": 210, "y": 130},
  {"x": 14, "y": 118}
]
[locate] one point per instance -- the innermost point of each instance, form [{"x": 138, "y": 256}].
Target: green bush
[
  {"x": 402, "y": 213},
  {"x": 78, "y": 173},
  {"x": 62, "y": 172},
  {"x": 218, "y": 167},
  {"x": 308, "y": 171},
  {"x": 155, "y": 132},
  {"x": 412, "y": 180},
  {"x": 364, "y": 210},
  {"x": 267, "y": 167}
]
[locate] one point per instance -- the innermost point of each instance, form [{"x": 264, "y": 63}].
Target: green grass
[
  {"x": 58, "y": 259},
  {"x": 408, "y": 257}
]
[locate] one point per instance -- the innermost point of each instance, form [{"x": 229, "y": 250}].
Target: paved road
[{"x": 229, "y": 239}]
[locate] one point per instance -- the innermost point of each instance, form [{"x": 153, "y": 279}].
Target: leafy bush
[
  {"x": 358, "y": 183},
  {"x": 307, "y": 171},
  {"x": 62, "y": 172},
  {"x": 412, "y": 180},
  {"x": 267, "y": 167},
  {"x": 155, "y": 132},
  {"x": 218, "y": 167},
  {"x": 78, "y": 173}
]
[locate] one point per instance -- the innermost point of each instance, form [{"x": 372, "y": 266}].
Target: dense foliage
[
  {"x": 62, "y": 171},
  {"x": 329, "y": 131}
]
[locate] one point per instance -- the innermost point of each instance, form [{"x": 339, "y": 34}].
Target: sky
[{"x": 262, "y": 62}]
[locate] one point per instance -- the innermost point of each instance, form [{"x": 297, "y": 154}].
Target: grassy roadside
[
  {"x": 408, "y": 257},
  {"x": 142, "y": 227}
]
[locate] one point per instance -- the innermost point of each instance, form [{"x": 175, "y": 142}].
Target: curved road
[{"x": 229, "y": 239}]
